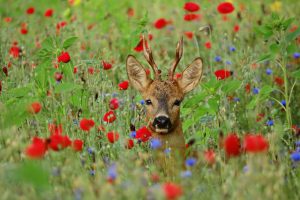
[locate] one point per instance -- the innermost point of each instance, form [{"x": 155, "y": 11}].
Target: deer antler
[
  {"x": 178, "y": 55},
  {"x": 149, "y": 57}
]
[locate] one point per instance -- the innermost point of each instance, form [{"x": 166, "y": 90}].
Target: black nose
[{"x": 162, "y": 122}]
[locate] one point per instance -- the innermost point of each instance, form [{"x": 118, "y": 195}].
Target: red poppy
[
  {"x": 112, "y": 136},
  {"x": 232, "y": 145},
  {"x": 208, "y": 45},
  {"x": 63, "y": 57},
  {"x": 225, "y": 8},
  {"x": 35, "y": 107},
  {"x": 109, "y": 117},
  {"x": 130, "y": 12},
  {"x": 161, "y": 23},
  {"x": 91, "y": 70},
  {"x": 130, "y": 144},
  {"x": 210, "y": 156},
  {"x": 58, "y": 76},
  {"x": 172, "y": 190},
  {"x": 178, "y": 75},
  {"x": 189, "y": 34},
  {"x": 55, "y": 129},
  {"x": 259, "y": 117},
  {"x": 7, "y": 19},
  {"x": 255, "y": 143},
  {"x": 191, "y": 7},
  {"x": 148, "y": 72},
  {"x": 248, "y": 88},
  {"x": 86, "y": 124},
  {"x": 236, "y": 28},
  {"x": 30, "y": 11},
  {"x": 222, "y": 74},
  {"x": 278, "y": 80},
  {"x": 15, "y": 51},
  {"x": 5, "y": 71},
  {"x": 106, "y": 65},
  {"x": 24, "y": 31},
  {"x": 37, "y": 148},
  {"x": 48, "y": 13},
  {"x": 155, "y": 178},
  {"x": 77, "y": 145},
  {"x": 58, "y": 142},
  {"x": 143, "y": 134},
  {"x": 140, "y": 46},
  {"x": 114, "y": 104},
  {"x": 75, "y": 69},
  {"x": 123, "y": 85},
  {"x": 191, "y": 17}
]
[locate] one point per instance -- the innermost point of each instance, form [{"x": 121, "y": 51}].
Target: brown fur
[{"x": 163, "y": 95}]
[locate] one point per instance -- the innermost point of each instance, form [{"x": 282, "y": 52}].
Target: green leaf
[
  {"x": 20, "y": 92},
  {"x": 231, "y": 86},
  {"x": 274, "y": 48},
  {"x": 213, "y": 104},
  {"x": 66, "y": 87},
  {"x": 291, "y": 36},
  {"x": 187, "y": 124},
  {"x": 296, "y": 74},
  {"x": 252, "y": 103},
  {"x": 195, "y": 100},
  {"x": 48, "y": 44},
  {"x": 264, "y": 57},
  {"x": 291, "y": 48},
  {"x": 32, "y": 173},
  {"x": 265, "y": 91},
  {"x": 69, "y": 42}
]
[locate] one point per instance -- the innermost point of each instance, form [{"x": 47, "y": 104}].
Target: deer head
[{"x": 163, "y": 97}]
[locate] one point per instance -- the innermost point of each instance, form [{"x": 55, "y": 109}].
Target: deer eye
[
  {"x": 148, "y": 102},
  {"x": 177, "y": 102}
]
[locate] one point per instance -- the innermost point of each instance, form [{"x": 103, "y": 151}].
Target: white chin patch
[{"x": 158, "y": 130}]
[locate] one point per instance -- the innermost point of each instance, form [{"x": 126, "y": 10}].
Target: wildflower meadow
[{"x": 72, "y": 126}]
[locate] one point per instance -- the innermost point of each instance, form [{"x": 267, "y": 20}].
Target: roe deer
[{"x": 162, "y": 99}]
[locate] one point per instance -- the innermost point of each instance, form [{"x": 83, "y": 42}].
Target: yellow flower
[{"x": 276, "y": 6}]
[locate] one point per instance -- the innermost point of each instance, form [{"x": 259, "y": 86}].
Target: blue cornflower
[
  {"x": 297, "y": 143},
  {"x": 114, "y": 94},
  {"x": 269, "y": 71},
  {"x": 186, "y": 174},
  {"x": 228, "y": 62},
  {"x": 283, "y": 103},
  {"x": 270, "y": 122},
  {"x": 232, "y": 48},
  {"x": 246, "y": 168},
  {"x": 112, "y": 172},
  {"x": 295, "y": 156},
  {"x": 155, "y": 143},
  {"x": 296, "y": 55},
  {"x": 89, "y": 150},
  {"x": 132, "y": 134},
  {"x": 167, "y": 151},
  {"x": 190, "y": 162},
  {"x": 218, "y": 59},
  {"x": 92, "y": 172},
  {"x": 255, "y": 90},
  {"x": 142, "y": 102},
  {"x": 78, "y": 194},
  {"x": 236, "y": 99}
]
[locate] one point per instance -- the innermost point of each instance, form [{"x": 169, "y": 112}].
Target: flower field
[{"x": 72, "y": 126}]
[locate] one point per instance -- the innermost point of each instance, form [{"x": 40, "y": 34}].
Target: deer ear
[
  {"x": 191, "y": 75},
  {"x": 137, "y": 74}
]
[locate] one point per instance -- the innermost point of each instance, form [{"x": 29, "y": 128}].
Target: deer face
[{"x": 163, "y": 97}]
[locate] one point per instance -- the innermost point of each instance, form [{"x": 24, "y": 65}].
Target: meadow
[{"x": 70, "y": 119}]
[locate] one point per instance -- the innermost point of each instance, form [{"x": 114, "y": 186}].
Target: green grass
[{"x": 263, "y": 41}]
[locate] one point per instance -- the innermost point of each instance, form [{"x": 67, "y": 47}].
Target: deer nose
[{"x": 162, "y": 122}]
